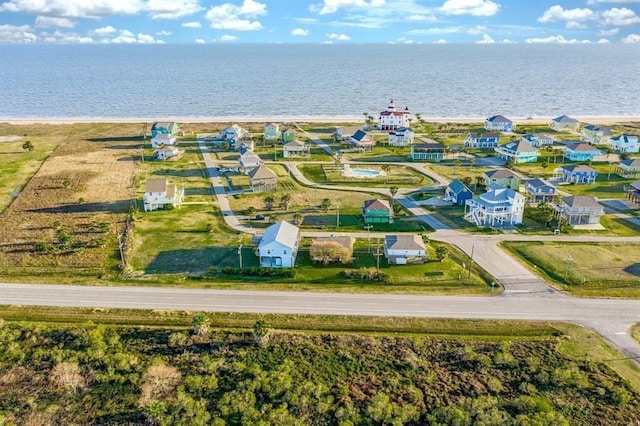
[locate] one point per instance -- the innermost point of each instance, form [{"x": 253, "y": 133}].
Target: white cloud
[
  {"x": 306, "y": 20},
  {"x": 332, "y": 6},
  {"x": 557, "y": 14},
  {"x": 421, "y": 18},
  {"x": 200, "y": 41},
  {"x": 192, "y": 24},
  {"x": 572, "y": 25},
  {"x": 470, "y": 7},
  {"x": 164, "y": 33},
  {"x": 229, "y": 16},
  {"x": 74, "y": 8},
  {"x": 128, "y": 37},
  {"x": 403, "y": 40},
  {"x": 17, "y": 34},
  {"x": 557, "y": 39},
  {"x": 612, "y": 1},
  {"x": 478, "y": 29},
  {"x": 48, "y": 21},
  {"x": 104, "y": 31},
  {"x": 441, "y": 41},
  {"x": 227, "y": 37},
  {"x": 486, "y": 39},
  {"x": 435, "y": 30},
  {"x": 603, "y": 41},
  {"x": 620, "y": 17},
  {"x": 339, "y": 37},
  {"x": 607, "y": 33},
  {"x": 64, "y": 38},
  {"x": 172, "y": 9},
  {"x": 631, "y": 38},
  {"x": 299, "y": 32},
  {"x": 507, "y": 41}
]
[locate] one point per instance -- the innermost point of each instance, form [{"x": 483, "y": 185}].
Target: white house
[
  {"x": 402, "y": 136},
  {"x": 295, "y": 148},
  {"x": 538, "y": 139},
  {"x": 163, "y": 139},
  {"x": 579, "y": 209},
  {"x": 563, "y": 123},
  {"x": 249, "y": 161},
  {"x": 403, "y": 249},
  {"x": 482, "y": 140},
  {"x": 500, "y": 123},
  {"x": 159, "y": 193},
  {"x": 278, "y": 247},
  {"x": 624, "y": 143},
  {"x": 244, "y": 143},
  {"x": 234, "y": 132},
  {"x": 498, "y": 206},
  {"x": 595, "y": 134},
  {"x": 391, "y": 119},
  {"x": 344, "y": 133},
  {"x": 167, "y": 152}
]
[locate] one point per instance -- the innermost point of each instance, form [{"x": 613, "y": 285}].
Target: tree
[
  {"x": 261, "y": 332},
  {"x": 456, "y": 163},
  {"x": 441, "y": 252},
  {"x": 325, "y": 204},
  {"x": 386, "y": 169},
  {"x": 66, "y": 375},
  {"x": 250, "y": 211},
  {"x": 268, "y": 202},
  {"x": 418, "y": 117},
  {"x": 472, "y": 161},
  {"x": 28, "y": 146},
  {"x": 66, "y": 183},
  {"x": 200, "y": 322},
  {"x": 479, "y": 180},
  {"x": 330, "y": 251},
  {"x": 158, "y": 382},
  {"x": 155, "y": 412},
  {"x": 285, "y": 200},
  {"x": 467, "y": 180},
  {"x": 397, "y": 208},
  {"x": 366, "y": 117},
  {"x": 297, "y": 218},
  {"x": 273, "y": 218},
  {"x": 64, "y": 236},
  {"x": 393, "y": 190}
]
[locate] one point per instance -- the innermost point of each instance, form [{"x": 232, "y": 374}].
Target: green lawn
[
  {"x": 403, "y": 177},
  {"x": 593, "y": 270}
]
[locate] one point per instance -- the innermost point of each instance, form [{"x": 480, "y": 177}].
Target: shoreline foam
[{"x": 592, "y": 119}]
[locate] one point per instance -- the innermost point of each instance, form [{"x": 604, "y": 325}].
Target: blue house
[
  {"x": 539, "y": 191},
  {"x": 427, "y": 151},
  {"x": 576, "y": 173},
  {"x": 457, "y": 193},
  {"x": 500, "y": 123},
  {"x": 164, "y": 127},
  {"x": 518, "y": 152},
  {"x": 482, "y": 140},
  {"x": 581, "y": 152}
]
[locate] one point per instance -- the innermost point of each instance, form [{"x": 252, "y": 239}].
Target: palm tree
[
  {"x": 27, "y": 146},
  {"x": 386, "y": 169},
  {"x": 268, "y": 201},
  {"x": 297, "y": 218},
  {"x": 393, "y": 190},
  {"x": 326, "y": 203},
  {"x": 456, "y": 163},
  {"x": 273, "y": 218},
  {"x": 285, "y": 200},
  {"x": 366, "y": 117},
  {"x": 200, "y": 323},
  {"x": 261, "y": 332},
  {"x": 250, "y": 211}
]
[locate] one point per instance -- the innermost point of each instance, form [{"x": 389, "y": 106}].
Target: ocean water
[{"x": 109, "y": 81}]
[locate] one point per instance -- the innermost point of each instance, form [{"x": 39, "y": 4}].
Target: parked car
[{"x": 259, "y": 217}]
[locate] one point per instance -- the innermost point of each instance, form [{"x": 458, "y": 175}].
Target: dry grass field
[{"x": 66, "y": 219}]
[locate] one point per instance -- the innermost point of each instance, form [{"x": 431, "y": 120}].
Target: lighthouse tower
[{"x": 391, "y": 118}]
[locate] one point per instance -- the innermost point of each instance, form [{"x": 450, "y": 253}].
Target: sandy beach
[{"x": 601, "y": 120}]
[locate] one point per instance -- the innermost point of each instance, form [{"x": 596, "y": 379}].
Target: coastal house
[
  {"x": 564, "y": 123},
  {"x": 581, "y": 152},
  {"x": 518, "y": 152},
  {"x": 262, "y": 179},
  {"x": 214, "y": 139},
  {"x": 159, "y": 193},
  {"x": 234, "y": 133},
  {"x": 502, "y": 177},
  {"x": 539, "y": 191},
  {"x": 595, "y": 134},
  {"x": 271, "y": 131},
  {"x": 278, "y": 247},
  {"x": 242, "y": 144},
  {"x": 538, "y": 139},
  {"x": 391, "y": 118},
  {"x": 498, "y": 206},
  {"x": 344, "y": 133},
  {"x": 629, "y": 168},
  {"x": 499, "y": 123},
  {"x": 332, "y": 249},
  {"x": 287, "y": 135},
  {"x": 248, "y": 161},
  {"x": 163, "y": 139},
  {"x": 457, "y": 193},
  {"x": 167, "y": 152},
  {"x": 404, "y": 249},
  {"x": 482, "y": 140},
  {"x": 624, "y": 144},
  {"x": 166, "y": 127},
  {"x": 296, "y": 148},
  {"x": 427, "y": 151},
  {"x": 402, "y": 136},
  {"x": 633, "y": 191},
  {"x": 377, "y": 211},
  {"x": 362, "y": 141},
  {"x": 579, "y": 209},
  {"x": 576, "y": 173}
]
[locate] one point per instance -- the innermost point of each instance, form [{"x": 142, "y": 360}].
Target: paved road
[{"x": 609, "y": 317}]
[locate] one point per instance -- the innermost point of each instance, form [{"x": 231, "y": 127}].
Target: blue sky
[{"x": 319, "y": 21}]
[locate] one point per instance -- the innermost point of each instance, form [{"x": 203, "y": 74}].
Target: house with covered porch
[
  {"x": 581, "y": 152},
  {"x": 487, "y": 140},
  {"x": 427, "y": 151},
  {"x": 457, "y": 193},
  {"x": 539, "y": 191},
  {"x": 518, "y": 152},
  {"x": 576, "y": 173},
  {"x": 629, "y": 168},
  {"x": 278, "y": 246},
  {"x": 564, "y": 123},
  {"x": 579, "y": 210},
  {"x": 499, "y": 123},
  {"x": 497, "y": 207}
]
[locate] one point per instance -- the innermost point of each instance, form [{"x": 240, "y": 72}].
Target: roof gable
[
  {"x": 262, "y": 172},
  {"x": 156, "y": 185},
  {"x": 377, "y": 204},
  {"x": 404, "y": 242},
  {"x": 282, "y": 232},
  {"x": 501, "y": 174}
]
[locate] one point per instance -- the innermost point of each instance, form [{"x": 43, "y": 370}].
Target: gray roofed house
[
  {"x": 581, "y": 152},
  {"x": 504, "y": 177},
  {"x": 538, "y": 139},
  {"x": 629, "y": 168},
  {"x": 159, "y": 193},
  {"x": 539, "y": 191},
  {"x": 519, "y": 152},
  {"x": 595, "y": 134},
  {"x": 580, "y": 209},
  {"x": 427, "y": 151},
  {"x": 564, "y": 122},
  {"x": 295, "y": 148},
  {"x": 633, "y": 191},
  {"x": 403, "y": 249},
  {"x": 576, "y": 173},
  {"x": 500, "y": 123},
  {"x": 278, "y": 247},
  {"x": 263, "y": 179},
  {"x": 248, "y": 161},
  {"x": 498, "y": 206}
]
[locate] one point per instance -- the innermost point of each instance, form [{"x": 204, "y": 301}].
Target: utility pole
[
  {"x": 368, "y": 228},
  {"x": 120, "y": 247},
  {"x": 473, "y": 246},
  {"x": 378, "y": 254},
  {"x": 240, "y": 253},
  {"x": 338, "y": 215}
]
